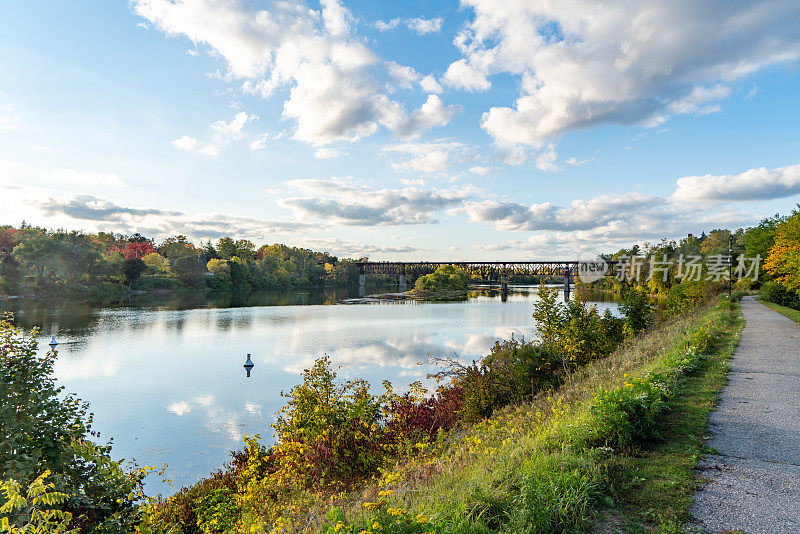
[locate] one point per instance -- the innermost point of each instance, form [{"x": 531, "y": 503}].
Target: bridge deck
[{"x": 502, "y": 268}]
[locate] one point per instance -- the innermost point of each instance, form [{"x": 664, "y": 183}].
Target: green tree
[
  {"x": 175, "y": 247},
  {"x": 132, "y": 270},
  {"x": 37, "y": 253},
  {"x": 156, "y": 263},
  {"x": 226, "y": 248},
  {"x": 758, "y": 240},
  {"x": 188, "y": 270}
]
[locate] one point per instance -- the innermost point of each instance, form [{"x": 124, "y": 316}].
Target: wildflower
[
  {"x": 376, "y": 525},
  {"x": 422, "y": 519},
  {"x": 385, "y": 493},
  {"x": 339, "y": 526}
]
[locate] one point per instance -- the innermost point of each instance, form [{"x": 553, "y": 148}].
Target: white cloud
[
  {"x": 222, "y": 134},
  {"x": 482, "y": 171},
  {"x": 340, "y": 201},
  {"x": 751, "y": 185},
  {"x": 423, "y": 26},
  {"x": 431, "y": 114},
  {"x": 546, "y": 159},
  {"x": 384, "y": 26},
  {"x": 463, "y": 75},
  {"x": 584, "y": 63},
  {"x": 575, "y": 162},
  {"x": 430, "y": 85},
  {"x": 403, "y": 75},
  {"x": 430, "y": 157},
  {"x": 581, "y": 215},
  {"x": 185, "y": 143},
  {"x": 419, "y": 25},
  {"x": 328, "y": 153},
  {"x": 334, "y": 80},
  {"x": 259, "y": 142},
  {"x": 72, "y": 177}
]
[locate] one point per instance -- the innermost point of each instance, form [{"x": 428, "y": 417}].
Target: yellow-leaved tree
[{"x": 783, "y": 260}]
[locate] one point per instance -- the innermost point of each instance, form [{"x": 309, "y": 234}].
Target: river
[{"x": 164, "y": 376}]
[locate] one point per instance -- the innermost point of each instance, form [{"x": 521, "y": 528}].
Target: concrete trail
[{"x": 754, "y": 483}]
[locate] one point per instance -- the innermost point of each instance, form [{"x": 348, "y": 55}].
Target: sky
[{"x": 414, "y": 130}]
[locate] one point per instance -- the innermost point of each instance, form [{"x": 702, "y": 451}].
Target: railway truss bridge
[{"x": 490, "y": 271}]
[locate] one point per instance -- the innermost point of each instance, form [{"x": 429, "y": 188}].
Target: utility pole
[{"x": 730, "y": 264}]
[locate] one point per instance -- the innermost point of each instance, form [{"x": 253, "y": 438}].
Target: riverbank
[
  {"x": 614, "y": 451},
  {"x": 596, "y": 451}
]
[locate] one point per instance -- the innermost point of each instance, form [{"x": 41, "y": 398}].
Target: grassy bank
[
  {"x": 791, "y": 313},
  {"x": 615, "y": 449}
]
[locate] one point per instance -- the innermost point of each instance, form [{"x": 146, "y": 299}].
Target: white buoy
[{"x": 53, "y": 342}]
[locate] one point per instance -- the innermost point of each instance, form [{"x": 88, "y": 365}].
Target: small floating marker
[
  {"x": 248, "y": 365},
  {"x": 53, "y": 342}
]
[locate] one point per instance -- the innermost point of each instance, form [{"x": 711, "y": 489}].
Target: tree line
[{"x": 41, "y": 262}]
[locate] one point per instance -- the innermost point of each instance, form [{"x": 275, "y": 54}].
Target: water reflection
[{"x": 165, "y": 378}]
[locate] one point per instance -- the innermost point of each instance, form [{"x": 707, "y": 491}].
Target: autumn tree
[{"x": 783, "y": 259}]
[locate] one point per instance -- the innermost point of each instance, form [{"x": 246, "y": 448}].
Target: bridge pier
[
  {"x": 362, "y": 284},
  {"x": 401, "y": 283},
  {"x": 567, "y": 280}
]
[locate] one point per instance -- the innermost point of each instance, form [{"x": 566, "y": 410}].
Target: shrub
[
  {"x": 329, "y": 432},
  {"x": 513, "y": 371},
  {"x": 779, "y": 294},
  {"x": 217, "y": 511},
  {"x": 635, "y": 305},
  {"x": 185, "y": 508},
  {"x": 420, "y": 418},
  {"x": 575, "y": 331},
  {"x": 686, "y": 295},
  {"x": 628, "y": 415}
]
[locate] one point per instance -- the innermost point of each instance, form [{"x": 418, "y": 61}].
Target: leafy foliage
[
  {"x": 45, "y": 431},
  {"x": 36, "y": 511}
]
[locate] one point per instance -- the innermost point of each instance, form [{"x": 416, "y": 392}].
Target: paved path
[{"x": 755, "y": 480}]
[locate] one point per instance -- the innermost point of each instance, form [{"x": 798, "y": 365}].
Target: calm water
[{"x": 165, "y": 379}]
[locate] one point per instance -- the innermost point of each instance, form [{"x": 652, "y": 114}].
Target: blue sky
[{"x": 400, "y": 130}]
